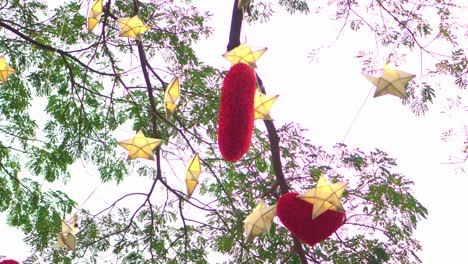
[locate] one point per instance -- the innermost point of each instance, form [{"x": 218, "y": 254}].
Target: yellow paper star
[
  {"x": 5, "y": 70},
  {"x": 170, "y": 97},
  {"x": 67, "y": 236},
  {"x": 391, "y": 82},
  {"x": 325, "y": 196},
  {"x": 259, "y": 221},
  {"x": 94, "y": 14},
  {"x": 192, "y": 174},
  {"x": 243, "y": 3},
  {"x": 132, "y": 27},
  {"x": 263, "y": 105},
  {"x": 244, "y": 54},
  {"x": 140, "y": 146}
]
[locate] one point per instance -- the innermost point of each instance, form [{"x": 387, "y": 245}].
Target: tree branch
[{"x": 234, "y": 41}]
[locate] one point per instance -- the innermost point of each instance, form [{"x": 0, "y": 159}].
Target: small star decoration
[
  {"x": 325, "y": 196},
  {"x": 244, "y": 54},
  {"x": 263, "y": 104},
  {"x": 140, "y": 146},
  {"x": 259, "y": 221},
  {"x": 5, "y": 70},
  {"x": 192, "y": 174},
  {"x": 391, "y": 82},
  {"x": 132, "y": 27}
]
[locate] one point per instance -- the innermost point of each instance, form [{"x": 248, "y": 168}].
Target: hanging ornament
[
  {"x": 259, "y": 221},
  {"x": 8, "y": 261},
  {"x": 244, "y": 54},
  {"x": 314, "y": 215},
  {"x": 140, "y": 146},
  {"x": 236, "y": 112},
  {"x": 296, "y": 216},
  {"x": 391, "y": 81},
  {"x": 243, "y": 3},
  {"x": 263, "y": 104},
  {"x": 5, "y": 70},
  {"x": 325, "y": 196},
  {"x": 192, "y": 174},
  {"x": 94, "y": 15},
  {"x": 67, "y": 236},
  {"x": 171, "y": 96},
  {"x": 132, "y": 27}
]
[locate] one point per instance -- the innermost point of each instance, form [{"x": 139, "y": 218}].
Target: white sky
[{"x": 325, "y": 98}]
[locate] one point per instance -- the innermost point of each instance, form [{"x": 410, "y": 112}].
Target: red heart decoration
[
  {"x": 296, "y": 216},
  {"x": 9, "y": 261}
]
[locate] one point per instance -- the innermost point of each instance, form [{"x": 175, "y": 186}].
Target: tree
[{"x": 88, "y": 85}]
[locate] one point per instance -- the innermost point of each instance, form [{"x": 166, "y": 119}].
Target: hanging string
[{"x": 351, "y": 125}]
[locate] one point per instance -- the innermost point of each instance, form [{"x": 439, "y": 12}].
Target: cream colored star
[
  {"x": 325, "y": 196},
  {"x": 94, "y": 15},
  {"x": 140, "y": 146},
  {"x": 132, "y": 27},
  {"x": 5, "y": 70},
  {"x": 243, "y": 4},
  {"x": 67, "y": 236},
  {"x": 171, "y": 96},
  {"x": 192, "y": 174},
  {"x": 391, "y": 82},
  {"x": 244, "y": 54},
  {"x": 263, "y": 104},
  {"x": 259, "y": 221}
]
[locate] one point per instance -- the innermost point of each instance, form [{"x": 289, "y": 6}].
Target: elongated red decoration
[
  {"x": 296, "y": 216},
  {"x": 236, "y": 112}
]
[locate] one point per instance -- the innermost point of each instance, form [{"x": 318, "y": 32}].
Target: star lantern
[
  {"x": 171, "y": 96},
  {"x": 192, "y": 174},
  {"x": 132, "y": 27},
  {"x": 5, "y": 70},
  {"x": 243, "y": 3},
  {"x": 140, "y": 146},
  {"x": 94, "y": 15},
  {"x": 325, "y": 196},
  {"x": 391, "y": 81},
  {"x": 244, "y": 54},
  {"x": 259, "y": 221},
  {"x": 263, "y": 104},
  {"x": 67, "y": 236}
]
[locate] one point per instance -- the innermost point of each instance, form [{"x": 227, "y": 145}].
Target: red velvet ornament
[
  {"x": 9, "y": 261},
  {"x": 236, "y": 112},
  {"x": 296, "y": 216}
]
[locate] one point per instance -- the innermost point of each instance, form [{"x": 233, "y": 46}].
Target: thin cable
[
  {"x": 356, "y": 116},
  {"x": 348, "y": 130}
]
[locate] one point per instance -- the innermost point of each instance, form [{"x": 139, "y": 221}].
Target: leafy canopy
[{"x": 73, "y": 90}]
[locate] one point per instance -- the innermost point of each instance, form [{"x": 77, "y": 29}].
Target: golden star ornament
[
  {"x": 244, "y": 54},
  {"x": 132, "y": 27},
  {"x": 5, "y": 70},
  {"x": 140, "y": 146},
  {"x": 259, "y": 221},
  {"x": 263, "y": 104},
  {"x": 391, "y": 81},
  {"x": 94, "y": 15},
  {"x": 67, "y": 236},
  {"x": 171, "y": 96},
  {"x": 325, "y": 196},
  {"x": 192, "y": 174}
]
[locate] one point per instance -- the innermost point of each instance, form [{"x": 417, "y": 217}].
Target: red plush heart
[
  {"x": 296, "y": 216},
  {"x": 236, "y": 112},
  {"x": 8, "y": 261}
]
